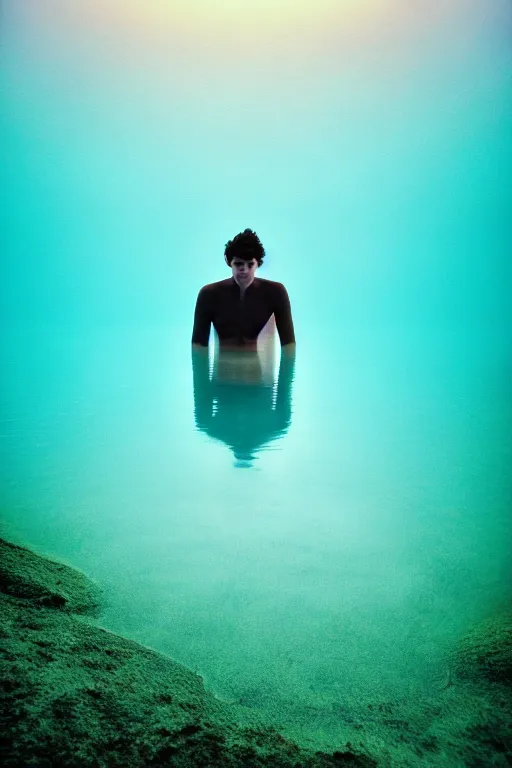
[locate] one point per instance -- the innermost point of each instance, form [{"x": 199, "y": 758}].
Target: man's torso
[{"x": 240, "y": 317}]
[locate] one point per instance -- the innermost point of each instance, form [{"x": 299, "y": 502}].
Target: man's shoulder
[
  {"x": 270, "y": 285},
  {"x": 219, "y": 285},
  {"x": 276, "y": 292}
]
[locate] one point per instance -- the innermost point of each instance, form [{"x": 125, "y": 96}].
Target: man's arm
[
  {"x": 202, "y": 386},
  {"x": 284, "y": 322},
  {"x": 202, "y": 320},
  {"x": 288, "y": 350}
]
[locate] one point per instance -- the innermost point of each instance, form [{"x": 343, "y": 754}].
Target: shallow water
[{"x": 335, "y": 565}]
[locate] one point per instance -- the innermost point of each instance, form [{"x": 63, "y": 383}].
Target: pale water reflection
[{"x": 243, "y": 398}]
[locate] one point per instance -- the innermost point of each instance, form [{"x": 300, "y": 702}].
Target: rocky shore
[{"x": 75, "y": 695}]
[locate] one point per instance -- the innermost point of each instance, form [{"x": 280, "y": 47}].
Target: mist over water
[
  {"x": 349, "y": 518},
  {"x": 375, "y": 173}
]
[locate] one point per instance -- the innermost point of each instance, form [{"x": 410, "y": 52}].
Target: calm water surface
[{"x": 299, "y": 537}]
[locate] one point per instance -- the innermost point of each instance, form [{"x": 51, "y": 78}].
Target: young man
[{"x": 240, "y": 306}]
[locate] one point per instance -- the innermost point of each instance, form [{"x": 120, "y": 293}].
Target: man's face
[{"x": 243, "y": 270}]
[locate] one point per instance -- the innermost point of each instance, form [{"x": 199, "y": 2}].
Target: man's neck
[{"x": 243, "y": 288}]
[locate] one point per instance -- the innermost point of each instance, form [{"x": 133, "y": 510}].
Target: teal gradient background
[
  {"x": 379, "y": 168},
  {"x": 369, "y": 146}
]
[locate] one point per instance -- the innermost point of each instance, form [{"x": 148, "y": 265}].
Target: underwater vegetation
[{"x": 76, "y": 695}]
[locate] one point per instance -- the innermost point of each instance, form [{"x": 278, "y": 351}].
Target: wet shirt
[{"x": 239, "y": 320}]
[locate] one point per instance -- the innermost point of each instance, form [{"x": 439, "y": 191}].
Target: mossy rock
[
  {"x": 74, "y": 695},
  {"x": 485, "y": 653},
  {"x": 43, "y": 582}
]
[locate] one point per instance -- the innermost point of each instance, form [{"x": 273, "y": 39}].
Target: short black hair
[{"x": 246, "y": 245}]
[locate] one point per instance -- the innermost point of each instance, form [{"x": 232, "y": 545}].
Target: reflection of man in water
[
  {"x": 240, "y": 306},
  {"x": 239, "y": 405}
]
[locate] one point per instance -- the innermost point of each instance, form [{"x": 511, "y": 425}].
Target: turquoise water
[
  {"x": 323, "y": 533},
  {"x": 337, "y": 567}
]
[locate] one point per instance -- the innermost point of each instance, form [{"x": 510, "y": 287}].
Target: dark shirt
[{"x": 239, "y": 320}]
